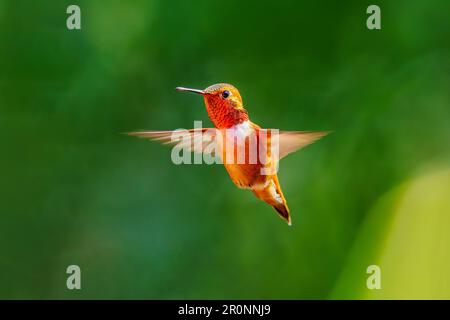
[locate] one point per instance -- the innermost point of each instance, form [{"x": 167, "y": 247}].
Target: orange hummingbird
[{"x": 227, "y": 113}]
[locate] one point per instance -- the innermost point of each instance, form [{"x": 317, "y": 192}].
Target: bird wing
[
  {"x": 203, "y": 140},
  {"x": 291, "y": 141},
  {"x": 193, "y": 140}
]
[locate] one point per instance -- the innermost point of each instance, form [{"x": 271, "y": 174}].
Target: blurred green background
[{"x": 74, "y": 190}]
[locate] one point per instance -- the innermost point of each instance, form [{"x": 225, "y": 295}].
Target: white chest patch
[{"x": 243, "y": 129}]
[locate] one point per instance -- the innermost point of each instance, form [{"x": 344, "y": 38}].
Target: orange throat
[{"x": 224, "y": 118}]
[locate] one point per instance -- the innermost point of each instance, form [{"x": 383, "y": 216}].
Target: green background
[{"x": 74, "y": 190}]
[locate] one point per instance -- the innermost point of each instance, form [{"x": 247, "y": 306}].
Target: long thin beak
[{"x": 190, "y": 90}]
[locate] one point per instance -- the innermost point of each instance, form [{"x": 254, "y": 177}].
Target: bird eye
[{"x": 226, "y": 94}]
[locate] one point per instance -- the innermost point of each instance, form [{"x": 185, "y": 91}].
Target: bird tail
[
  {"x": 273, "y": 195},
  {"x": 283, "y": 211}
]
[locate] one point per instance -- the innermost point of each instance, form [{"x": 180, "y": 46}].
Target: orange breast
[
  {"x": 246, "y": 176},
  {"x": 242, "y": 155}
]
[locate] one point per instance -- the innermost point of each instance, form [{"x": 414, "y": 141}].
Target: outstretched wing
[
  {"x": 194, "y": 140},
  {"x": 291, "y": 141}
]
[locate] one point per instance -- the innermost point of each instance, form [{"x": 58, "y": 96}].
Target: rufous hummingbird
[{"x": 227, "y": 113}]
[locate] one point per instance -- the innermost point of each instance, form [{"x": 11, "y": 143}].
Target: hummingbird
[{"x": 226, "y": 111}]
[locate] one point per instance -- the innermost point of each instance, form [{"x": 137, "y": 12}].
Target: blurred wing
[
  {"x": 193, "y": 140},
  {"x": 291, "y": 141}
]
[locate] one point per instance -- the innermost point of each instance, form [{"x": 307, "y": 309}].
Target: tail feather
[
  {"x": 273, "y": 195},
  {"x": 283, "y": 211}
]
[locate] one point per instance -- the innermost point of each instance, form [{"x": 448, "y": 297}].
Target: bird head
[{"x": 223, "y": 104}]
